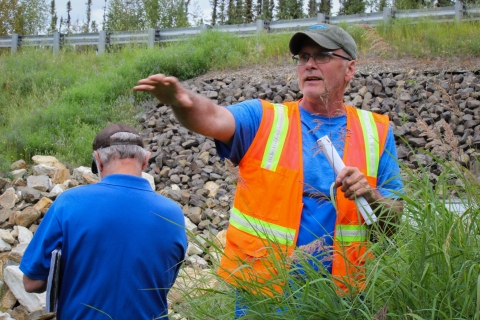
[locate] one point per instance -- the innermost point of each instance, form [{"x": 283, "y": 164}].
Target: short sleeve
[
  {"x": 389, "y": 180},
  {"x": 36, "y": 260},
  {"x": 248, "y": 115}
]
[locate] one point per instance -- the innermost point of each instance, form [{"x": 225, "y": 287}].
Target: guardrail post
[
  {"x": 57, "y": 39},
  {"x": 151, "y": 37},
  {"x": 321, "y": 17},
  {"x": 259, "y": 25},
  {"x": 388, "y": 14},
  {"x": 263, "y": 25},
  {"x": 459, "y": 10},
  {"x": 16, "y": 41},
  {"x": 102, "y": 41}
]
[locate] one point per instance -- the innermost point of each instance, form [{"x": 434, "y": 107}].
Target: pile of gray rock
[{"x": 436, "y": 112}]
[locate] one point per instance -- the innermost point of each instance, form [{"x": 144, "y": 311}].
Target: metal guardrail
[
  {"x": 81, "y": 39},
  {"x": 364, "y": 18},
  {"x": 101, "y": 39}
]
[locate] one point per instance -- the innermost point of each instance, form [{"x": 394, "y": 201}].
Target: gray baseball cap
[
  {"x": 327, "y": 36},
  {"x": 102, "y": 140}
]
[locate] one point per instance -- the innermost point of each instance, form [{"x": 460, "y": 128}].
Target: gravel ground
[{"x": 364, "y": 66}]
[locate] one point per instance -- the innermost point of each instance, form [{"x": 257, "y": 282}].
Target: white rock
[
  {"x": 150, "y": 179},
  {"x": 58, "y": 189},
  {"x": 18, "y": 173},
  {"x": 48, "y": 161},
  {"x": 14, "y": 232},
  {"x": 196, "y": 261},
  {"x": 5, "y": 316},
  {"x": 43, "y": 170},
  {"x": 42, "y": 183},
  {"x": 212, "y": 187},
  {"x": 4, "y": 246},
  {"x": 6, "y": 236},
  {"x": 19, "y": 250},
  {"x": 78, "y": 173},
  {"x": 24, "y": 234},
  {"x": 8, "y": 198},
  {"x": 204, "y": 157},
  {"x": 65, "y": 185},
  {"x": 14, "y": 280},
  {"x": 193, "y": 249},
  {"x": 190, "y": 225}
]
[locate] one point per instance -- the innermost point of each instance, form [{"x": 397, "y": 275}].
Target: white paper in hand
[{"x": 337, "y": 163}]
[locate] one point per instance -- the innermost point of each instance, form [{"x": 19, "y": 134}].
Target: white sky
[{"x": 79, "y": 9}]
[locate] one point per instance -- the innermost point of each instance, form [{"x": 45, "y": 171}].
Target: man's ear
[
  {"x": 351, "y": 68},
  {"x": 147, "y": 157},
  {"x": 99, "y": 162}
]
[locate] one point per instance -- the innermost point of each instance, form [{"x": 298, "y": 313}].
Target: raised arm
[{"x": 195, "y": 112}]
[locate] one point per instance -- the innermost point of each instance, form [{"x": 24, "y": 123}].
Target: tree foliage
[
  {"x": 268, "y": 6},
  {"x": 312, "y": 8},
  {"x": 125, "y": 15},
  {"x": 325, "y": 7},
  {"x": 290, "y": 9},
  {"x": 25, "y": 17},
  {"x": 130, "y": 15},
  {"x": 8, "y": 17},
  {"x": 69, "y": 17},
  {"x": 214, "y": 4},
  {"x": 222, "y": 13},
  {"x": 352, "y": 7},
  {"x": 231, "y": 12},
  {"x": 173, "y": 14},
  {"x": 248, "y": 11},
  {"x": 53, "y": 18},
  {"x": 86, "y": 28}
]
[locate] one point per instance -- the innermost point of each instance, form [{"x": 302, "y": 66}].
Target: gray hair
[{"x": 119, "y": 150}]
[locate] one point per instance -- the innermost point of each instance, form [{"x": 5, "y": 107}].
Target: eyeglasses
[{"x": 318, "y": 57}]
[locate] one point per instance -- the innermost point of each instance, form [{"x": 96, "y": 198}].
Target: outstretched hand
[
  {"x": 192, "y": 110},
  {"x": 166, "y": 89}
]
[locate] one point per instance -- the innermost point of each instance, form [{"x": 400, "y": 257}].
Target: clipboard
[{"x": 54, "y": 281}]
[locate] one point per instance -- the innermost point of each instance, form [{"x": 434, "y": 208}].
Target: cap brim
[{"x": 296, "y": 42}]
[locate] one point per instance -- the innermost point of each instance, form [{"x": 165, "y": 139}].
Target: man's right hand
[
  {"x": 166, "y": 89},
  {"x": 195, "y": 112}
]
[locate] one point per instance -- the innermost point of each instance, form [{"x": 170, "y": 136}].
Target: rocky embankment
[{"x": 434, "y": 111}]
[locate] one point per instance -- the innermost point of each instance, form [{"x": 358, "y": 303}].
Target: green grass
[
  {"x": 53, "y": 105},
  {"x": 428, "y": 270},
  {"x": 426, "y": 39}
]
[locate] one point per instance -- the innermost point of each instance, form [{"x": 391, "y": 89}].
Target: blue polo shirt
[
  {"x": 122, "y": 246},
  {"x": 318, "y": 216}
]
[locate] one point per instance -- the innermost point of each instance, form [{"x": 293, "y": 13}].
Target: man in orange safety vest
[{"x": 276, "y": 202}]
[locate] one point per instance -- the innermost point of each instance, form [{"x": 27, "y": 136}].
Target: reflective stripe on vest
[
  {"x": 260, "y": 228},
  {"x": 351, "y": 233},
  {"x": 276, "y": 138},
  {"x": 372, "y": 141}
]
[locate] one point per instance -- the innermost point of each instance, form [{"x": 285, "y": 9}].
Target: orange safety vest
[{"x": 266, "y": 212}]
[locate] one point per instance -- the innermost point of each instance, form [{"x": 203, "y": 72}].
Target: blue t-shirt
[
  {"x": 122, "y": 246},
  {"x": 318, "y": 216}
]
